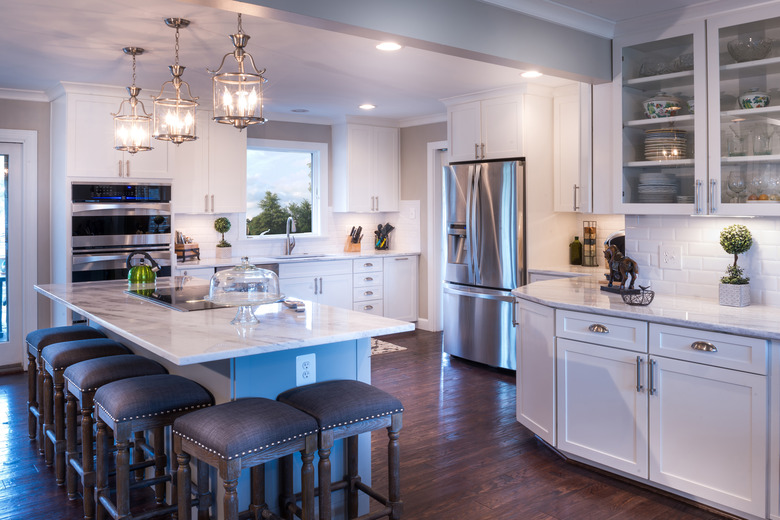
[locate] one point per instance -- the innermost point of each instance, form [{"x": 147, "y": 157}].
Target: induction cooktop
[{"x": 184, "y": 299}]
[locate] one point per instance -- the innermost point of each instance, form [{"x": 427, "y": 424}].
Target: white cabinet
[
  {"x": 368, "y": 286},
  {"x": 572, "y": 148},
  {"x": 328, "y": 282},
  {"x": 210, "y": 173},
  {"x": 535, "y": 368},
  {"x": 485, "y": 129},
  {"x": 400, "y": 287},
  {"x": 366, "y": 164},
  {"x": 89, "y": 134}
]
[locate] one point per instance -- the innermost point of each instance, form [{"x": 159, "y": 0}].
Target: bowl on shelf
[
  {"x": 749, "y": 49},
  {"x": 683, "y": 62},
  {"x": 661, "y": 105},
  {"x": 754, "y": 98},
  {"x": 690, "y": 105}
]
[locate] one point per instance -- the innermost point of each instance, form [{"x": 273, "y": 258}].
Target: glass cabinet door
[
  {"x": 662, "y": 147},
  {"x": 744, "y": 127}
]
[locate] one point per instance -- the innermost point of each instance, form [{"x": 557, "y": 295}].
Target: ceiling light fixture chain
[
  {"x": 131, "y": 129},
  {"x": 238, "y": 96}
]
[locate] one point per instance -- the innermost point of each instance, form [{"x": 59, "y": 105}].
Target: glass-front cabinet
[
  {"x": 662, "y": 146},
  {"x": 744, "y": 112}
]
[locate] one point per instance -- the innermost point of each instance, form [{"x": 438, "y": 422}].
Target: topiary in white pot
[
  {"x": 224, "y": 249},
  {"x": 734, "y": 290}
]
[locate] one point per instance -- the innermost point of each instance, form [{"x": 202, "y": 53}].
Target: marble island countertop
[
  {"x": 186, "y": 338},
  {"x": 583, "y": 294},
  {"x": 295, "y": 257}
]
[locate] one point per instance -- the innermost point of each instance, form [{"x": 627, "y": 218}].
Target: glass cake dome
[{"x": 244, "y": 286}]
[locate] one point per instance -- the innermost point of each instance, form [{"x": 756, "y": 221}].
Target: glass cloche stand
[{"x": 244, "y": 286}]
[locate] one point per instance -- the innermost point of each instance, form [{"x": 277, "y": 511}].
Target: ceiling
[{"x": 324, "y": 72}]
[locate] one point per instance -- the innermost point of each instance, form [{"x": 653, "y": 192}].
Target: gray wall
[
  {"x": 33, "y": 115},
  {"x": 414, "y": 186}
]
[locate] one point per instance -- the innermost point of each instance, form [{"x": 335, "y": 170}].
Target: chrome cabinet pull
[
  {"x": 368, "y": 307},
  {"x": 121, "y": 168},
  {"x": 321, "y": 291},
  {"x": 368, "y": 264},
  {"x": 651, "y": 379},
  {"x": 704, "y": 346},
  {"x": 315, "y": 287},
  {"x": 698, "y": 197},
  {"x": 399, "y": 258},
  {"x": 598, "y": 328},
  {"x": 368, "y": 293},
  {"x": 206, "y": 203},
  {"x": 127, "y": 168},
  {"x": 476, "y": 150},
  {"x": 713, "y": 185},
  {"x": 639, "y": 373},
  {"x": 212, "y": 203},
  {"x": 368, "y": 279},
  {"x": 514, "y": 314},
  {"x": 483, "y": 150},
  {"x": 377, "y": 202},
  {"x": 576, "y": 192}
]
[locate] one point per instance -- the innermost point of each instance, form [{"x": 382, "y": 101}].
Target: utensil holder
[{"x": 351, "y": 247}]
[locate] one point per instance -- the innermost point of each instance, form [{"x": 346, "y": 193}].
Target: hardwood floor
[{"x": 463, "y": 455}]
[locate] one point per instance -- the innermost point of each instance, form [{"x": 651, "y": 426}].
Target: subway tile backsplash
[{"x": 703, "y": 259}]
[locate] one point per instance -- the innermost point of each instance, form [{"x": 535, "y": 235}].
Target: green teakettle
[{"x": 142, "y": 273}]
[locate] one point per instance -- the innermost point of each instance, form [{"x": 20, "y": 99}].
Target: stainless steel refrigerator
[{"x": 484, "y": 218}]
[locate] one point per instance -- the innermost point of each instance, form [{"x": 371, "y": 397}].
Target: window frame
[{"x": 319, "y": 183}]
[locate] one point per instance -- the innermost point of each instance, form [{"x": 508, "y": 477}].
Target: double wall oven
[{"x": 109, "y": 221}]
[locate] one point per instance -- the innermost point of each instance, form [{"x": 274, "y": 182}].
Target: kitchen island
[
  {"x": 235, "y": 361},
  {"x": 681, "y": 395}
]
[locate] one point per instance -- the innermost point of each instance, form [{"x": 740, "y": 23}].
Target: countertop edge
[{"x": 259, "y": 259}]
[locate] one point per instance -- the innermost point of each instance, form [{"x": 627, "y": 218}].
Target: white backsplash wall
[
  {"x": 405, "y": 237},
  {"x": 703, "y": 259}
]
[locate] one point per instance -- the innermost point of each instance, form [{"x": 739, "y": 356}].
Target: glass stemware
[{"x": 737, "y": 184}]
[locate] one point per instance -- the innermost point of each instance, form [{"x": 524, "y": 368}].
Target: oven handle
[
  {"x": 162, "y": 259},
  {"x": 110, "y": 209}
]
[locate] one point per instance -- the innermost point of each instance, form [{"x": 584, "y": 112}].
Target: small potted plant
[
  {"x": 734, "y": 288},
  {"x": 224, "y": 249}
]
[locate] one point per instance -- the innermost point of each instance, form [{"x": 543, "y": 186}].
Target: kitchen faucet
[{"x": 289, "y": 244}]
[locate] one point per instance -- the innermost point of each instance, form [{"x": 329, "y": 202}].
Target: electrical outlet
[
  {"x": 305, "y": 370},
  {"x": 670, "y": 257}
]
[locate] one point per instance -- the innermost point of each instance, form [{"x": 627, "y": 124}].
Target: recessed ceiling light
[
  {"x": 531, "y": 74},
  {"x": 299, "y": 110},
  {"x": 388, "y": 46},
  {"x": 367, "y": 106}
]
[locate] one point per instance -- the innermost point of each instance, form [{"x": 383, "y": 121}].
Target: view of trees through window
[{"x": 279, "y": 185}]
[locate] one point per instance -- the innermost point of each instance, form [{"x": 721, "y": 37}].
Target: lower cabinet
[
  {"x": 386, "y": 286},
  {"x": 328, "y": 283}
]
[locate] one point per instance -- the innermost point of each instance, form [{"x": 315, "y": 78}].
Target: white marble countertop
[
  {"x": 301, "y": 257},
  {"x": 186, "y": 338},
  {"x": 569, "y": 270},
  {"x": 583, "y": 294}
]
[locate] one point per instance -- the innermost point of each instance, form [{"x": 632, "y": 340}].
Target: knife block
[{"x": 349, "y": 247}]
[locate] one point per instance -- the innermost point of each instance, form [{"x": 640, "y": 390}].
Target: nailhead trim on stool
[
  {"x": 241, "y": 434},
  {"x": 56, "y": 358},
  {"x": 132, "y": 405},
  {"x": 83, "y": 379},
  {"x": 345, "y": 409},
  {"x": 37, "y": 340}
]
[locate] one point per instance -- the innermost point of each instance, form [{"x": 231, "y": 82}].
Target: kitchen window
[{"x": 285, "y": 179}]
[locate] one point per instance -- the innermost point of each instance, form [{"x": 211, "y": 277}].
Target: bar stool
[
  {"x": 56, "y": 358},
  {"x": 82, "y": 380},
  {"x": 37, "y": 340},
  {"x": 241, "y": 434},
  {"x": 344, "y": 409},
  {"x": 139, "y": 404}
]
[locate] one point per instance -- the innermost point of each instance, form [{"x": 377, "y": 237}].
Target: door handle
[
  {"x": 127, "y": 168},
  {"x": 476, "y": 150},
  {"x": 400, "y": 258},
  {"x": 576, "y": 192},
  {"x": 377, "y": 202},
  {"x": 514, "y": 314},
  {"x": 704, "y": 346},
  {"x": 206, "y": 203},
  {"x": 315, "y": 287},
  {"x": 368, "y": 293},
  {"x": 483, "y": 150},
  {"x": 651, "y": 379},
  {"x": 368, "y": 307},
  {"x": 212, "y": 203},
  {"x": 713, "y": 185},
  {"x": 639, "y": 373},
  {"x": 599, "y": 328},
  {"x": 121, "y": 168},
  {"x": 698, "y": 197}
]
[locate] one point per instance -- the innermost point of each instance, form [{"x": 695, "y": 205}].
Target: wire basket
[{"x": 638, "y": 298}]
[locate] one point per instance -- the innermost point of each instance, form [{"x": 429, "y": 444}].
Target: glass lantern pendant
[
  {"x": 238, "y": 96},
  {"x": 174, "y": 115},
  {"x": 131, "y": 128}
]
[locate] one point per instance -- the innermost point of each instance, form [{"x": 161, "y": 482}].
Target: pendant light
[
  {"x": 238, "y": 96},
  {"x": 131, "y": 128},
  {"x": 174, "y": 117}
]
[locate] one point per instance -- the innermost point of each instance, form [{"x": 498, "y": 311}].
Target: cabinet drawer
[
  {"x": 367, "y": 279},
  {"x": 360, "y": 294},
  {"x": 709, "y": 348},
  {"x": 366, "y": 265},
  {"x": 314, "y": 268},
  {"x": 370, "y": 307},
  {"x": 602, "y": 330}
]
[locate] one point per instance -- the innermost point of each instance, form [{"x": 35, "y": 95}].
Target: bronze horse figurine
[{"x": 620, "y": 267}]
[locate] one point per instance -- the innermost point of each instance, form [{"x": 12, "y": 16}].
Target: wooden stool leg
[
  {"x": 257, "y": 502},
  {"x": 160, "y": 463},
  {"x": 394, "y": 467},
  {"x": 122, "y": 475},
  {"x": 87, "y": 464},
  {"x": 71, "y": 449},
  {"x": 204, "y": 491},
  {"x": 183, "y": 485},
  {"x": 32, "y": 395},
  {"x": 59, "y": 431},
  {"x": 48, "y": 417},
  {"x": 326, "y": 443},
  {"x": 307, "y": 478},
  {"x": 230, "y": 502},
  {"x": 41, "y": 406},
  {"x": 138, "y": 454},
  {"x": 101, "y": 472},
  {"x": 287, "y": 496},
  {"x": 352, "y": 476}
]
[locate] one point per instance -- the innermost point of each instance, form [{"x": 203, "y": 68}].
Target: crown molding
[
  {"x": 24, "y": 95},
  {"x": 423, "y": 120}
]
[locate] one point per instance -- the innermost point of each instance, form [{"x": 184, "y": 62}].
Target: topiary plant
[
  {"x": 735, "y": 240},
  {"x": 222, "y": 225}
]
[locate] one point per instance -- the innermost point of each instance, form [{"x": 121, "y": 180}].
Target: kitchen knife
[
  {"x": 352, "y": 233},
  {"x": 357, "y": 235}
]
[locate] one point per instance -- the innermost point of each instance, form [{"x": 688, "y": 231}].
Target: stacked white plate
[
  {"x": 657, "y": 187},
  {"x": 665, "y": 144}
]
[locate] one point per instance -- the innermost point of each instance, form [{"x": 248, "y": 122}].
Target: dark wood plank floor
[{"x": 463, "y": 454}]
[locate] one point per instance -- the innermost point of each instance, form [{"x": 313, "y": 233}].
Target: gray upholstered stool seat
[
  {"x": 37, "y": 340},
  {"x": 82, "y": 380},
  {"x": 139, "y": 404},
  {"x": 56, "y": 358},
  {"x": 241, "y": 434},
  {"x": 344, "y": 409}
]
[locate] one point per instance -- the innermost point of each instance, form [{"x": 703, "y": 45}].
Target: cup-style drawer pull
[
  {"x": 368, "y": 293},
  {"x": 368, "y": 279},
  {"x": 598, "y": 328},
  {"x": 368, "y": 307},
  {"x": 705, "y": 346},
  {"x": 368, "y": 265}
]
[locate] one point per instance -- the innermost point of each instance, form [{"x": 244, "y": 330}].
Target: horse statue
[{"x": 620, "y": 267}]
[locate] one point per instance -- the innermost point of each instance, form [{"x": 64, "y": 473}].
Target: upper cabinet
[
  {"x": 366, "y": 164},
  {"x": 660, "y": 148},
  {"x": 572, "y": 147},
  {"x": 485, "y": 129}
]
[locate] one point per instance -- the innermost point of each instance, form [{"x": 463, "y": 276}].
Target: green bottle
[{"x": 575, "y": 252}]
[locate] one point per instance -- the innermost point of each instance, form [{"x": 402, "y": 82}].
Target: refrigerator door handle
[
  {"x": 469, "y": 232},
  {"x": 488, "y": 294},
  {"x": 475, "y": 242}
]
